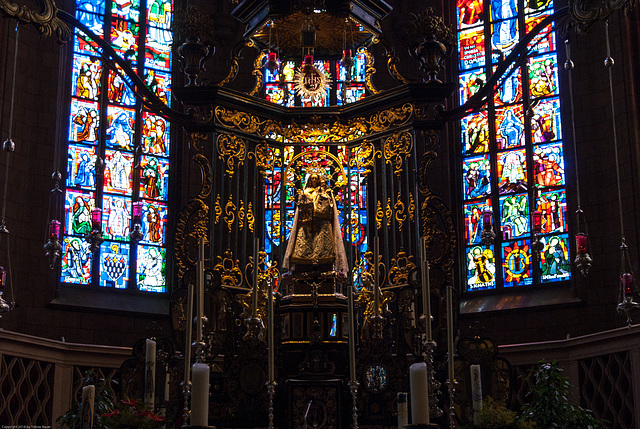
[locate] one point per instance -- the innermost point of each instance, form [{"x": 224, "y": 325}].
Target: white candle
[
  {"x": 88, "y": 400},
  {"x": 403, "y": 415},
  {"x": 270, "y": 336},
  {"x": 476, "y": 393},
  {"x": 150, "y": 375},
  {"x": 376, "y": 283},
  {"x": 352, "y": 338},
  {"x": 200, "y": 289},
  {"x": 426, "y": 288},
  {"x": 450, "y": 351},
  {"x": 419, "y": 393},
  {"x": 200, "y": 395},
  {"x": 188, "y": 334},
  {"x": 256, "y": 257}
]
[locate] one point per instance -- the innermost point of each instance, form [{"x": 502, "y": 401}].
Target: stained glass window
[
  {"x": 347, "y": 86},
  {"x": 109, "y": 124},
  {"x": 511, "y": 152}
]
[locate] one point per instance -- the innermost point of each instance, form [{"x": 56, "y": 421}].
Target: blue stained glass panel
[
  {"x": 555, "y": 264},
  {"x": 514, "y": 216},
  {"x": 118, "y": 172},
  {"x": 81, "y": 162},
  {"x": 503, "y": 9},
  {"x": 509, "y": 126},
  {"x": 543, "y": 75},
  {"x": 357, "y": 69},
  {"x": 537, "y": 5},
  {"x": 354, "y": 228},
  {"x": 119, "y": 89},
  {"x": 84, "y": 45},
  {"x": 504, "y": 37},
  {"x": 469, "y": 13},
  {"x": 553, "y": 206},
  {"x": 158, "y": 48},
  {"x": 116, "y": 217},
  {"x": 481, "y": 268},
  {"x": 471, "y": 48},
  {"x": 155, "y": 134},
  {"x": 85, "y": 119},
  {"x": 160, "y": 83},
  {"x": 510, "y": 89},
  {"x": 151, "y": 273},
  {"x": 274, "y": 94},
  {"x": 349, "y": 93},
  {"x": 120, "y": 127},
  {"x": 93, "y": 22},
  {"x": 76, "y": 261},
  {"x": 154, "y": 223},
  {"x": 516, "y": 265},
  {"x": 114, "y": 265},
  {"x": 78, "y": 206},
  {"x": 546, "y": 124},
  {"x": 126, "y": 9},
  {"x": 93, "y": 6},
  {"x": 548, "y": 163},
  {"x": 545, "y": 40},
  {"x": 476, "y": 177},
  {"x": 273, "y": 185},
  {"x": 470, "y": 83},
  {"x": 124, "y": 38},
  {"x": 154, "y": 178},
  {"x": 85, "y": 79},
  {"x": 159, "y": 13},
  {"x": 473, "y": 220},
  {"x": 512, "y": 171},
  {"x": 475, "y": 133}
]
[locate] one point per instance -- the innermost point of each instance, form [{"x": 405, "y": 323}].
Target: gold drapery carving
[
  {"x": 232, "y": 150},
  {"x": 397, "y": 148}
]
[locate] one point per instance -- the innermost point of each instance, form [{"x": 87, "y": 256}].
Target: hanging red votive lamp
[
  {"x": 487, "y": 215},
  {"x": 308, "y": 60},
  {"x": 272, "y": 62},
  {"x": 54, "y": 230},
  {"x": 581, "y": 243},
  {"x": 137, "y": 211},
  {"x": 347, "y": 59},
  {"x": 96, "y": 218},
  {"x": 537, "y": 221},
  {"x": 626, "y": 280}
]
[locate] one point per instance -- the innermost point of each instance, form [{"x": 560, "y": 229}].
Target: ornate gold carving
[
  {"x": 365, "y": 268},
  {"x": 385, "y": 119},
  {"x": 229, "y": 215},
  {"x": 363, "y": 157},
  {"x": 250, "y": 217},
  {"x": 229, "y": 271},
  {"x": 267, "y": 157},
  {"x": 400, "y": 268},
  {"x": 232, "y": 150},
  {"x": 397, "y": 148},
  {"x": 316, "y": 161},
  {"x": 392, "y": 66},
  {"x": 192, "y": 223},
  {"x": 46, "y": 20},
  {"x": 412, "y": 207},
  {"x": 369, "y": 71},
  {"x": 207, "y": 176},
  {"x": 379, "y": 215},
  {"x": 257, "y": 72},
  {"x": 197, "y": 141},
  {"x": 366, "y": 299},
  {"x": 389, "y": 213},
  {"x": 241, "y": 215},
  {"x": 399, "y": 211},
  {"x": 217, "y": 209}
]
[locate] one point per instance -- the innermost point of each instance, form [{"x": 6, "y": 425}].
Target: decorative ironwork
[
  {"x": 241, "y": 215},
  {"x": 250, "y": 217},
  {"x": 369, "y": 71},
  {"x": 364, "y": 157},
  {"x": 257, "y": 73},
  {"x": 266, "y": 157},
  {"x": 379, "y": 215},
  {"x": 400, "y": 268},
  {"x": 310, "y": 162},
  {"x": 46, "y": 20},
  {"x": 385, "y": 119},
  {"x": 412, "y": 207},
  {"x": 229, "y": 270},
  {"x": 217, "y": 209},
  {"x": 389, "y": 213},
  {"x": 192, "y": 223},
  {"x": 229, "y": 213},
  {"x": 232, "y": 150},
  {"x": 397, "y": 148},
  {"x": 207, "y": 176},
  {"x": 399, "y": 211}
]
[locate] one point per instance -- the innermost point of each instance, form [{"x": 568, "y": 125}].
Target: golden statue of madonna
[{"x": 316, "y": 238}]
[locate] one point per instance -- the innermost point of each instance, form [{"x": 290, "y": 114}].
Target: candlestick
[
  {"x": 426, "y": 289},
  {"x": 150, "y": 375},
  {"x": 419, "y": 393},
  {"x": 256, "y": 257},
  {"x": 200, "y": 395},
  {"x": 476, "y": 393},
  {"x": 270, "y": 335},
  {"x": 200, "y": 290},
  {"x": 88, "y": 401},
  {"x": 376, "y": 283},
  {"x": 450, "y": 351},
  {"x": 352, "y": 338},
  {"x": 188, "y": 334},
  {"x": 403, "y": 415}
]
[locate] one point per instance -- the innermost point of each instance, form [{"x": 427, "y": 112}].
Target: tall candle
[
  {"x": 450, "y": 351},
  {"x": 426, "y": 289},
  {"x": 150, "y": 375},
  {"x": 256, "y": 257},
  {"x": 418, "y": 382},
  {"x": 403, "y": 415},
  {"x": 476, "y": 393},
  {"x": 352, "y": 338},
  {"x": 188, "y": 334},
  {"x": 200, "y": 395},
  {"x": 200, "y": 289},
  {"x": 376, "y": 283},
  {"x": 270, "y": 335},
  {"x": 167, "y": 382},
  {"x": 88, "y": 401}
]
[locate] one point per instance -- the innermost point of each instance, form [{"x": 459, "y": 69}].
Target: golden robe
[{"x": 314, "y": 241}]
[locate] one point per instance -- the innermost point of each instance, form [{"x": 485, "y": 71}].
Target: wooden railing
[{"x": 37, "y": 375}]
